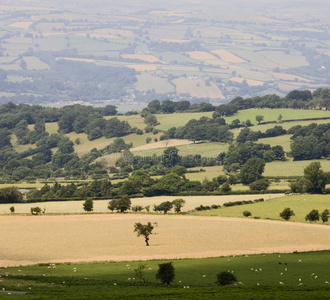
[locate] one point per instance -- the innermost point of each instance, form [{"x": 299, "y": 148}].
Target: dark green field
[{"x": 263, "y": 276}]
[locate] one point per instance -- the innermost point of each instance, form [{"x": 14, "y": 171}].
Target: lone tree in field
[
  {"x": 259, "y": 118},
  {"x": 286, "y": 214},
  {"x": 88, "y": 205},
  {"x": 144, "y": 230},
  {"x": 12, "y": 209},
  {"x": 313, "y": 216},
  {"x": 166, "y": 273}
]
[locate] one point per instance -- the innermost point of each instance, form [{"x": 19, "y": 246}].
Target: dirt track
[{"x": 77, "y": 238}]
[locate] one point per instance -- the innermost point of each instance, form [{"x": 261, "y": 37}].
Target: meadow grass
[
  {"x": 262, "y": 276},
  {"x": 271, "y": 115},
  {"x": 271, "y": 209},
  {"x": 148, "y": 82},
  {"x": 291, "y": 168}
]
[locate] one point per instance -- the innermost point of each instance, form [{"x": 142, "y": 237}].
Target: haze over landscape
[{"x": 133, "y": 52}]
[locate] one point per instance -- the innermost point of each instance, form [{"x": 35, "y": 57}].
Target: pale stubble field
[{"x": 111, "y": 237}]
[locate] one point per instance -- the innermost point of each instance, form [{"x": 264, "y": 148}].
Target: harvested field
[
  {"x": 76, "y": 238},
  {"x": 143, "y": 68},
  {"x": 227, "y": 56},
  {"x": 201, "y": 55},
  {"x": 248, "y": 81},
  {"x": 23, "y": 25}
]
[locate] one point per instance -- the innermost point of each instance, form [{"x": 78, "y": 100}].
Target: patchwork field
[{"x": 33, "y": 239}]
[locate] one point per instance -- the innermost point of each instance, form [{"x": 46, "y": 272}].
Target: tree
[
  {"x": 259, "y": 185},
  {"x": 164, "y": 206},
  {"x": 259, "y": 118},
  {"x": 178, "y": 204},
  {"x": 286, "y": 214},
  {"x": 123, "y": 203},
  {"x": 246, "y": 213},
  {"x": 225, "y": 278},
  {"x": 166, "y": 273},
  {"x": 88, "y": 205},
  {"x": 112, "y": 204},
  {"x": 12, "y": 210},
  {"x": 252, "y": 170},
  {"x": 35, "y": 210},
  {"x": 300, "y": 186},
  {"x": 151, "y": 120},
  {"x": 10, "y": 195},
  {"x": 225, "y": 188},
  {"x": 279, "y": 118},
  {"x": 316, "y": 176},
  {"x": 313, "y": 216},
  {"x": 170, "y": 157},
  {"x": 325, "y": 215},
  {"x": 144, "y": 230}
]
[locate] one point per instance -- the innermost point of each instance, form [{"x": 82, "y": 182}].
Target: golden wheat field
[{"x": 78, "y": 238}]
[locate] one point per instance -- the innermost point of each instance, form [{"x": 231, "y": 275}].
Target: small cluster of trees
[
  {"x": 310, "y": 142},
  {"x": 314, "y": 180},
  {"x": 312, "y": 216}
]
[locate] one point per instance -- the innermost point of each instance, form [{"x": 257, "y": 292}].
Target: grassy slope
[
  {"x": 270, "y": 209},
  {"x": 104, "y": 280}
]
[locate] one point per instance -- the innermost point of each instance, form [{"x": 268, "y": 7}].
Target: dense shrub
[{"x": 226, "y": 278}]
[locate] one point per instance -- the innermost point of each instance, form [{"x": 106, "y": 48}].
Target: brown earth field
[{"x": 111, "y": 237}]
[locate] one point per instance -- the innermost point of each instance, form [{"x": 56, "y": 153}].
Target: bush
[
  {"x": 247, "y": 213},
  {"x": 88, "y": 205},
  {"x": 166, "y": 273},
  {"x": 226, "y": 278},
  {"x": 35, "y": 210},
  {"x": 137, "y": 208},
  {"x": 12, "y": 209},
  {"x": 286, "y": 214}
]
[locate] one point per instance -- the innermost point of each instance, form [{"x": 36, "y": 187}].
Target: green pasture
[
  {"x": 270, "y": 209},
  {"x": 291, "y": 168},
  {"x": 149, "y": 82},
  {"x": 34, "y": 63},
  {"x": 260, "y": 276},
  {"x": 283, "y": 140},
  {"x": 286, "y": 125},
  {"x": 133, "y": 120},
  {"x": 210, "y": 150},
  {"x": 293, "y": 59},
  {"x": 179, "y": 119},
  {"x": 271, "y": 115}
]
